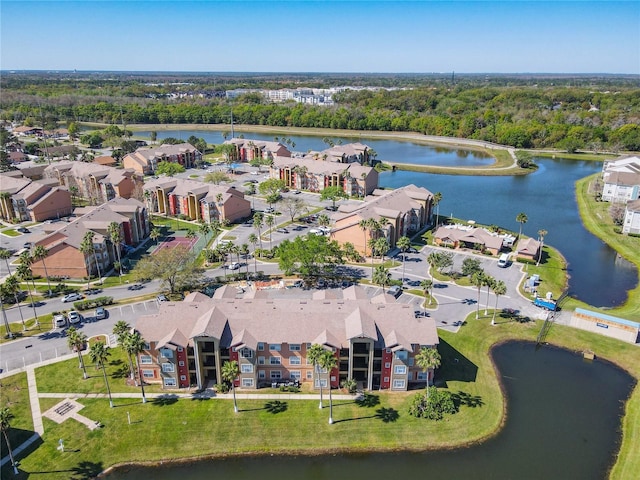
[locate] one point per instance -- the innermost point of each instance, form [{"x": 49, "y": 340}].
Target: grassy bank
[
  {"x": 382, "y": 423},
  {"x": 595, "y": 217}
]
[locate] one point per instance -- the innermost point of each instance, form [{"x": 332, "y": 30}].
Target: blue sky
[{"x": 329, "y": 36}]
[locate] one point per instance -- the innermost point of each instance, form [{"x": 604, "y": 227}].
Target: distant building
[
  {"x": 374, "y": 343},
  {"x": 145, "y": 160},
  {"x": 22, "y": 199},
  {"x": 196, "y": 200},
  {"x": 621, "y": 180},
  {"x": 247, "y": 150}
]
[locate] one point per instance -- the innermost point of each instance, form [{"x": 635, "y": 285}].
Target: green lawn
[
  {"x": 10, "y": 232},
  {"x": 596, "y": 219},
  {"x": 301, "y": 426}
]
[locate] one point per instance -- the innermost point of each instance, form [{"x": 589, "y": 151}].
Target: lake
[
  {"x": 555, "y": 428},
  {"x": 599, "y": 276}
]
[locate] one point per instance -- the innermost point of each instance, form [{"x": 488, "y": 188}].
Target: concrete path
[{"x": 35, "y": 403}]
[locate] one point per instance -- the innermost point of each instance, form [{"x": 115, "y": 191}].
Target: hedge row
[{"x": 93, "y": 303}]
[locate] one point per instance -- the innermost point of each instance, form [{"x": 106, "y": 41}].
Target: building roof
[
  {"x": 319, "y": 167},
  {"x": 165, "y": 150},
  {"x": 184, "y": 187},
  {"x": 104, "y": 174},
  {"x": 244, "y": 322},
  {"x": 528, "y": 246},
  {"x": 622, "y": 177},
  {"x": 11, "y": 184},
  {"x": 468, "y": 234},
  {"x": 633, "y": 206},
  {"x": 105, "y": 160}
]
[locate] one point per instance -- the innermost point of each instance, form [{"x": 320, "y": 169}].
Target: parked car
[
  {"x": 295, "y": 192},
  {"x": 71, "y": 297},
  {"x": 100, "y": 313},
  {"x": 74, "y": 317},
  {"x": 162, "y": 298},
  {"x": 23, "y": 230},
  {"x": 27, "y": 245},
  {"x": 282, "y": 230},
  {"x": 412, "y": 250},
  {"x": 59, "y": 321},
  {"x": 395, "y": 291},
  {"x": 135, "y": 286},
  {"x": 233, "y": 266},
  {"x": 92, "y": 291},
  {"x": 269, "y": 210}
]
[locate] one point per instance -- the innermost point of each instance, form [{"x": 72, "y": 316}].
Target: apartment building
[
  {"x": 22, "y": 199},
  {"x": 631, "y": 222},
  {"x": 621, "y": 180},
  {"x": 375, "y": 343},
  {"x": 145, "y": 160},
  {"x": 400, "y": 212},
  {"x": 95, "y": 182},
  {"x": 196, "y": 200},
  {"x": 63, "y": 240},
  {"x": 247, "y": 150}
]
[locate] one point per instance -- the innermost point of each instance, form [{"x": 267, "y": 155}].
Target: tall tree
[
  {"x": 253, "y": 240},
  {"x": 489, "y": 282},
  {"x": 521, "y": 218},
  {"x": 120, "y": 330},
  {"x": 23, "y": 272},
  {"x": 115, "y": 235},
  {"x": 403, "y": 243},
  {"x": 541, "y": 234},
  {"x": 134, "y": 344},
  {"x": 191, "y": 234},
  {"x": 6, "y": 255},
  {"x": 328, "y": 362},
  {"x": 364, "y": 226},
  {"x": 205, "y": 229},
  {"x": 76, "y": 341},
  {"x": 381, "y": 276},
  {"x": 99, "y": 353},
  {"x": 334, "y": 194},
  {"x": 258, "y": 223},
  {"x": 293, "y": 206},
  {"x": 314, "y": 355},
  {"x": 40, "y": 253},
  {"x": 270, "y": 221},
  {"x": 88, "y": 249},
  {"x": 12, "y": 287},
  {"x": 175, "y": 267},
  {"x": 437, "y": 198},
  {"x": 5, "y": 425},
  {"x": 230, "y": 372},
  {"x": 499, "y": 288},
  {"x": 428, "y": 359},
  {"x": 477, "y": 280},
  {"x": 154, "y": 234},
  {"x": 427, "y": 285}
]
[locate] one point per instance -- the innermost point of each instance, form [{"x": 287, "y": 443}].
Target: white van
[{"x": 503, "y": 261}]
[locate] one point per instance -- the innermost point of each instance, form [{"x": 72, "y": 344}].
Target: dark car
[
  {"x": 282, "y": 230},
  {"x": 92, "y": 291},
  {"x": 23, "y": 230},
  {"x": 135, "y": 286}
]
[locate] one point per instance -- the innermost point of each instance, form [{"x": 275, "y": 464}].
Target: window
[
  {"x": 146, "y": 346},
  {"x": 181, "y": 363},
  {"x": 309, "y": 374},
  {"x": 148, "y": 374},
  {"x": 167, "y": 367},
  {"x": 421, "y": 376},
  {"x": 411, "y": 361},
  {"x": 294, "y": 347},
  {"x": 295, "y": 374},
  {"x": 247, "y": 382},
  {"x": 308, "y": 346},
  {"x": 180, "y": 349},
  {"x": 261, "y": 374},
  {"x": 294, "y": 360},
  {"x": 246, "y": 353},
  {"x": 169, "y": 382},
  {"x": 183, "y": 378},
  {"x": 400, "y": 370},
  {"x": 274, "y": 361},
  {"x": 275, "y": 374},
  {"x": 386, "y": 380},
  {"x": 401, "y": 355},
  {"x": 387, "y": 365},
  {"x": 260, "y": 360},
  {"x": 145, "y": 359},
  {"x": 321, "y": 381},
  {"x": 274, "y": 347},
  {"x": 166, "y": 353},
  {"x": 260, "y": 346},
  {"x": 246, "y": 368},
  {"x": 398, "y": 384}
]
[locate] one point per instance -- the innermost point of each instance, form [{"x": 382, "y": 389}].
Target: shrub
[
  {"x": 350, "y": 385},
  {"x": 291, "y": 389},
  {"x": 222, "y": 387},
  {"x": 92, "y": 303},
  {"x": 433, "y": 407}
]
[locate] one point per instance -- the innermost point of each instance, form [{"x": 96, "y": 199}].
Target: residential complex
[
  {"x": 631, "y": 222},
  {"x": 621, "y": 180},
  {"x": 246, "y": 150},
  {"x": 468, "y": 236},
  {"x": 375, "y": 342},
  {"x": 95, "y": 182},
  {"x": 400, "y": 212},
  {"x": 145, "y": 160},
  {"x": 63, "y": 240},
  {"x": 196, "y": 200},
  {"x": 22, "y": 199}
]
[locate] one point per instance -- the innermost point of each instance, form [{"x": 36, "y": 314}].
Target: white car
[
  {"x": 234, "y": 266},
  {"x": 74, "y": 317},
  {"x": 59, "y": 321},
  {"x": 71, "y": 297}
]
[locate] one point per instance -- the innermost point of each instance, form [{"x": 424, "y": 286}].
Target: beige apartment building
[
  {"x": 22, "y": 199},
  {"x": 196, "y": 200},
  {"x": 401, "y": 212},
  {"x": 375, "y": 343},
  {"x": 145, "y": 160},
  {"x": 247, "y": 150}
]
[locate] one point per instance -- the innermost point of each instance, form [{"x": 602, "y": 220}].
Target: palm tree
[
  {"x": 40, "y": 253},
  {"x": 120, "y": 330},
  {"x": 381, "y": 276},
  {"x": 437, "y": 198},
  {"x": 428, "y": 359},
  {"x": 154, "y": 235},
  {"x": 521, "y": 218},
  {"x": 5, "y": 424},
  {"x": 5, "y": 255},
  {"x": 427, "y": 285},
  {"x": 253, "y": 240},
  {"x": 541, "y": 234},
  {"x": 489, "y": 282},
  {"x": 270, "y": 221},
  {"x": 191, "y": 234},
  {"x": 230, "y": 372},
  {"x": 87, "y": 248},
  {"x": 99, "y": 353},
  {"x": 115, "y": 235},
  {"x": 364, "y": 226},
  {"x": 12, "y": 286},
  {"x": 433, "y": 259},
  {"x": 205, "y": 229},
  {"x": 6, "y": 321},
  {"x": 133, "y": 344},
  {"x": 328, "y": 362},
  {"x": 314, "y": 355},
  {"x": 24, "y": 273},
  {"x": 258, "y": 224},
  {"x": 382, "y": 247},
  {"x": 477, "y": 280},
  {"x": 499, "y": 288},
  {"x": 244, "y": 251},
  {"x": 403, "y": 244},
  {"x": 76, "y": 341}
]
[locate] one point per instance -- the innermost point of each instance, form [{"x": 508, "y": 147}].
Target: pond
[
  {"x": 599, "y": 276},
  {"x": 555, "y": 428}
]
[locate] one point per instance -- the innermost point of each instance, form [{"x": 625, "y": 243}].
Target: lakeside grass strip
[{"x": 214, "y": 430}]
